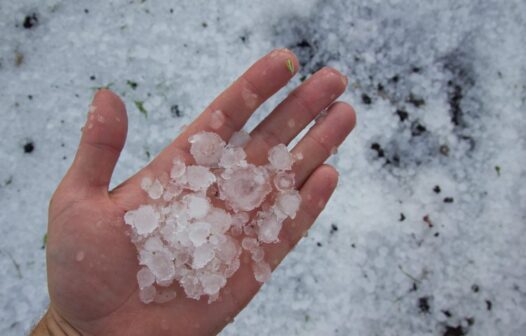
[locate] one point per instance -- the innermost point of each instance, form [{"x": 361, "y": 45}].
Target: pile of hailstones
[{"x": 200, "y": 217}]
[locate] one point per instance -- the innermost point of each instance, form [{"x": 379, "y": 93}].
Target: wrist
[{"x": 52, "y": 324}]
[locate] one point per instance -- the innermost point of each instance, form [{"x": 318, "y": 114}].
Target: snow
[{"x": 369, "y": 275}]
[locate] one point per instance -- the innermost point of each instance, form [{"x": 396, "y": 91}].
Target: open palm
[{"x": 92, "y": 264}]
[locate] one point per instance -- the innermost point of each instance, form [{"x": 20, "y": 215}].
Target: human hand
[{"x": 92, "y": 264}]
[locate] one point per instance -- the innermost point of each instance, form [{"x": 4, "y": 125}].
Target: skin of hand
[{"x": 92, "y": 264}]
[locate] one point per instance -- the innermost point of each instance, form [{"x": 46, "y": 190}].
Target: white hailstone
[
  {"x": 268, "y": 226},
  {"x": 165, "y": 211},
  {"x": 183, "y": 237},
  {"x": 217, "y": 239},
  {"x": 161, "y": 265},
  {"x": 280, "y": 158},
  {"x": 202, "y": 255},
  {"x": 220, "y": 220},
  {"x": 191, "y": 285},
  {"x": 217, "y": 119},
  {"x": 168, "y": 232},
  {"x": 145, "y": 278},
  {"x": 238, "y": 221},
  {"x": 240, "y": 218},
  {"x": 249, "y": 97},
  {"x": 232, "y": 267},
  {"x": 178, "y": 168},
  {"x": 168, "y": 196},
  {"x": 155, "y": 190},
  {"x": 198, "y": 233},
  {"x": 154, "y": 244},
  {"x": 177, "y": 210},
  {"x": 236, "y": 229},
  {"x": 144, "y": 219},
  {"x": 213, "y": 298},
  {"x": 181, "y": 181},
  {"x": 165, "y": 283},
  {"x": 196, "y": 205},
  {"x": 173, "y": 188},
  {"x": 258, "y": 254},
  {"x": 289, "y": 202},
  {"x": 147, "y": 294},
  {"x": 250, "y": 230},
  {"x": 298, "y": 156},
  {"x": 228, "y": 250},
  {"x": 239, "y": 139},
  {"x": 232, "y": 156},
  {"x": 284, "y": 181},
  {"x": 212, "y": 283},
  {"x": 249, "y": 244},
  {"x": 246, "y": 187},
  {"x": 182, "y": 255},
  {"x": 280, "y": 215},
  {"x": 213, "y": 266},
  {"x": 165, "y": 295},
  {"x": 145, "y": 257},
  {"x": 146, "y": 182},
  {"x": 199, "y": 177},
  {"x": 164, "y": 179},
  {"x": 262, "y": 271},
  {"x": 206, "y": 148},
  {"x": 181, "y": 270}
]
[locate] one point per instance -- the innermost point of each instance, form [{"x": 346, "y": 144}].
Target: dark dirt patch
[
  {"x": 30, "y": 21},
  {"x": 29, "y": 147}
]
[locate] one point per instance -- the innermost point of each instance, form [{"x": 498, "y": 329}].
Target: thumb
[{"x": 102, "y": 140}]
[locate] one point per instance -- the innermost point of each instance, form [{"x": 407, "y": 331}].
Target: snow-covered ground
[{"x": 426, "y": 232}]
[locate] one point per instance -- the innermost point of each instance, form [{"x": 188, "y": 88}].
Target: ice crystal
[
  {"x": 206, "y": 148},
  {"x": 245, "y": 188},
  {"x": 280, "y": 158}
]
